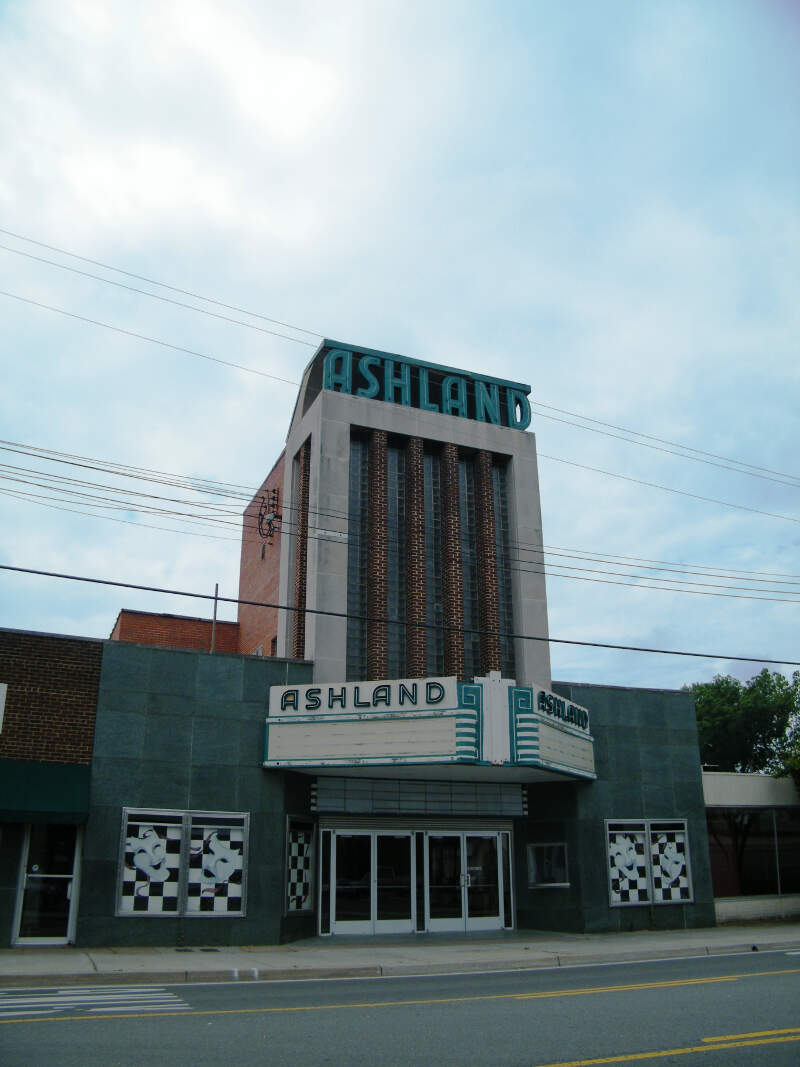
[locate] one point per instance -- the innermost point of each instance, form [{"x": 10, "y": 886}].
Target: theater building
[
  {"x": 454, "y": 786},
  {"x": 376, "y": 745}
]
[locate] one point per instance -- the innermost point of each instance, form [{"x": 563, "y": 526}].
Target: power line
[
  {"x": 221, "y": 516},
  {"x": 90, "y": 500},
  {"x": 662, "y": 441},
  {"x": 313, "y": 333},
  {"x": 396, "y": 622},
  {"x": 667, "y": 489},
  {"x": 672, "y": 451},
  {"x": 153, "y": 296},
  {"x": 155, "y": 340},
  {"x": 162, "y": 285}
]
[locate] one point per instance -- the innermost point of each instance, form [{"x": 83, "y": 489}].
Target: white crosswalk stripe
[{"x": 89, "y": 1000}]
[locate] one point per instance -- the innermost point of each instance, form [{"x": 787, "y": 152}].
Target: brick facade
[
  {"x": 52, "y": 697},
  {"x": 452, "y": 576},
  {"x": 259, "y": 571},
  {"x": 378, "y": 562},
  {"x": 416, "y": 634},
  {"x": 487, "y": 564},
  {"x": 175, "y": 631}
]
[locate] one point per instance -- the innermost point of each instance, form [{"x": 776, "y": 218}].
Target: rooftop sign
[{"x": 426, "y": 386}]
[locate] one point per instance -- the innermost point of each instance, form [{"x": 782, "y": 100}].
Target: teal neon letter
[
  {"x": 425, "y": 402},
  {"x": 331, "y": 377},
  {"x": 401, "y": 381},
  {"x": 519, "y": 410},
  {"x": 373, "y": 385},
  {"x": 487, "y": 402},
  {"x": 454, "y": 396}
]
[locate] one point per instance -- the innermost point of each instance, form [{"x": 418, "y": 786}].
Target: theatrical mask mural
[
  {"x": 648, "y": 863},
  {"x": 182, "y": 863}
]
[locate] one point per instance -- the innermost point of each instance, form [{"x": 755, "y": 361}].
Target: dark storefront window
[
  {"x": 787, "y": 824},
  {"x": 754, "y": 851}
]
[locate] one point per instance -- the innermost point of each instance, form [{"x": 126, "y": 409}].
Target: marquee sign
[
  {"x": 412, "y": 694},
  {"x": 426, "y": 386}
]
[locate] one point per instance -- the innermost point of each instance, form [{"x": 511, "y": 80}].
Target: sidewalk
[{"x": 387, "y": 956}]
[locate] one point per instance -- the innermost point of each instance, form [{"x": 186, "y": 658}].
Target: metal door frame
[
  {"x": 73, "y": 892},
  {"x": 373, "y": 925},
  {"x": 465, "y": 922}
]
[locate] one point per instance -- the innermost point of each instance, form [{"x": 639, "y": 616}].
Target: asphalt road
[{"x": 725, "y": 1010}]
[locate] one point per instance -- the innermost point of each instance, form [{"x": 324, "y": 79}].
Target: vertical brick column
[
  {"x": 452, "y": 576},
  {"x": 416, "y": 634},
  {"x": 487, "y": 564},
  {"x": 301, "y": 551},
  {"x": 378, "y": 557}
]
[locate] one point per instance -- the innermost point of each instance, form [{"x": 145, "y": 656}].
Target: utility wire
[
  {"x": 662, "y": 441},
  {"x": 162, "y": 285},
  {"x": 672, "y": 451},
  {"x": 635, "y": 581},
  {"x": 396, "y": 622},
  {"x": 155, "y": 340},
  {"x": 224, "y": 515},
  {"x": 313, "y": 333},
  {"x": 667, "y": 489},
  {"x": 153, "y": 296}
]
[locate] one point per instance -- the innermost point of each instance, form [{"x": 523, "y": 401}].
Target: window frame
[
  {"x": 186, "y": 819},
  {"x": 530, "y": 857},
  {"x": 649, "y": 827}
]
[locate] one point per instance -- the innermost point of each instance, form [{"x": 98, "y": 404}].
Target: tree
[{"x": 749, "y": 726}]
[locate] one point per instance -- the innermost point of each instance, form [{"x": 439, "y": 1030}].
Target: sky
[{"x": 600, "y": 200}]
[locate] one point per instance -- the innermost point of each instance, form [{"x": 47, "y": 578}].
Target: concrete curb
[{"x": 537, "y": 960}]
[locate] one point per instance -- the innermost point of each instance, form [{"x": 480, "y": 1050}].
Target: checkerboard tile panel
[
  {"x": 670, "y": 870},
  {"x": 144, "y": 891},
  {"x": 627, "y": 867},
  {"x": 299, "y": 872},
  {"x": 216, "y": 864}
]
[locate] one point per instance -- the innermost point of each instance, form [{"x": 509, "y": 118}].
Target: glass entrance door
[
  {"x": 372, "y": 878},
  {"x": 46, "y": 899},
  {"x": 464, "y": 882}
]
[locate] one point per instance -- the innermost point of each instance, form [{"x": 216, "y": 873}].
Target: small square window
[{"x": 547, "y": 865}]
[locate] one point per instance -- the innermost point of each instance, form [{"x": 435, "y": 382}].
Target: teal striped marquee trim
[
  {"x": 470, "y": 695},
  {"x": 469, "y": 733},
  {"x": 520, "y": 700}
]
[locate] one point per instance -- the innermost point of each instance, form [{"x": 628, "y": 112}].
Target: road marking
[
  {"x": 629, "y": 1057},
  {"x": 756, "y": 1033},
  {"x": 97, "y": 999},
  {"x": 423, "y": 1001}
]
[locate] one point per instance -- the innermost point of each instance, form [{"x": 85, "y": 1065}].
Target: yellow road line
[
  {"x": 756, "y": 1033},
  {"x": 629, "y": 1057},
  {"x": 407, "y": 1003}
]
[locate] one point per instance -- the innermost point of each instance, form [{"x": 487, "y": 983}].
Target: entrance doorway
[
  {"x": 406, "y": 881},
  {"x": 372, "y": 878},
  {"x": 47, "y": 893},
  {"x": 464, "y": 882}
]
